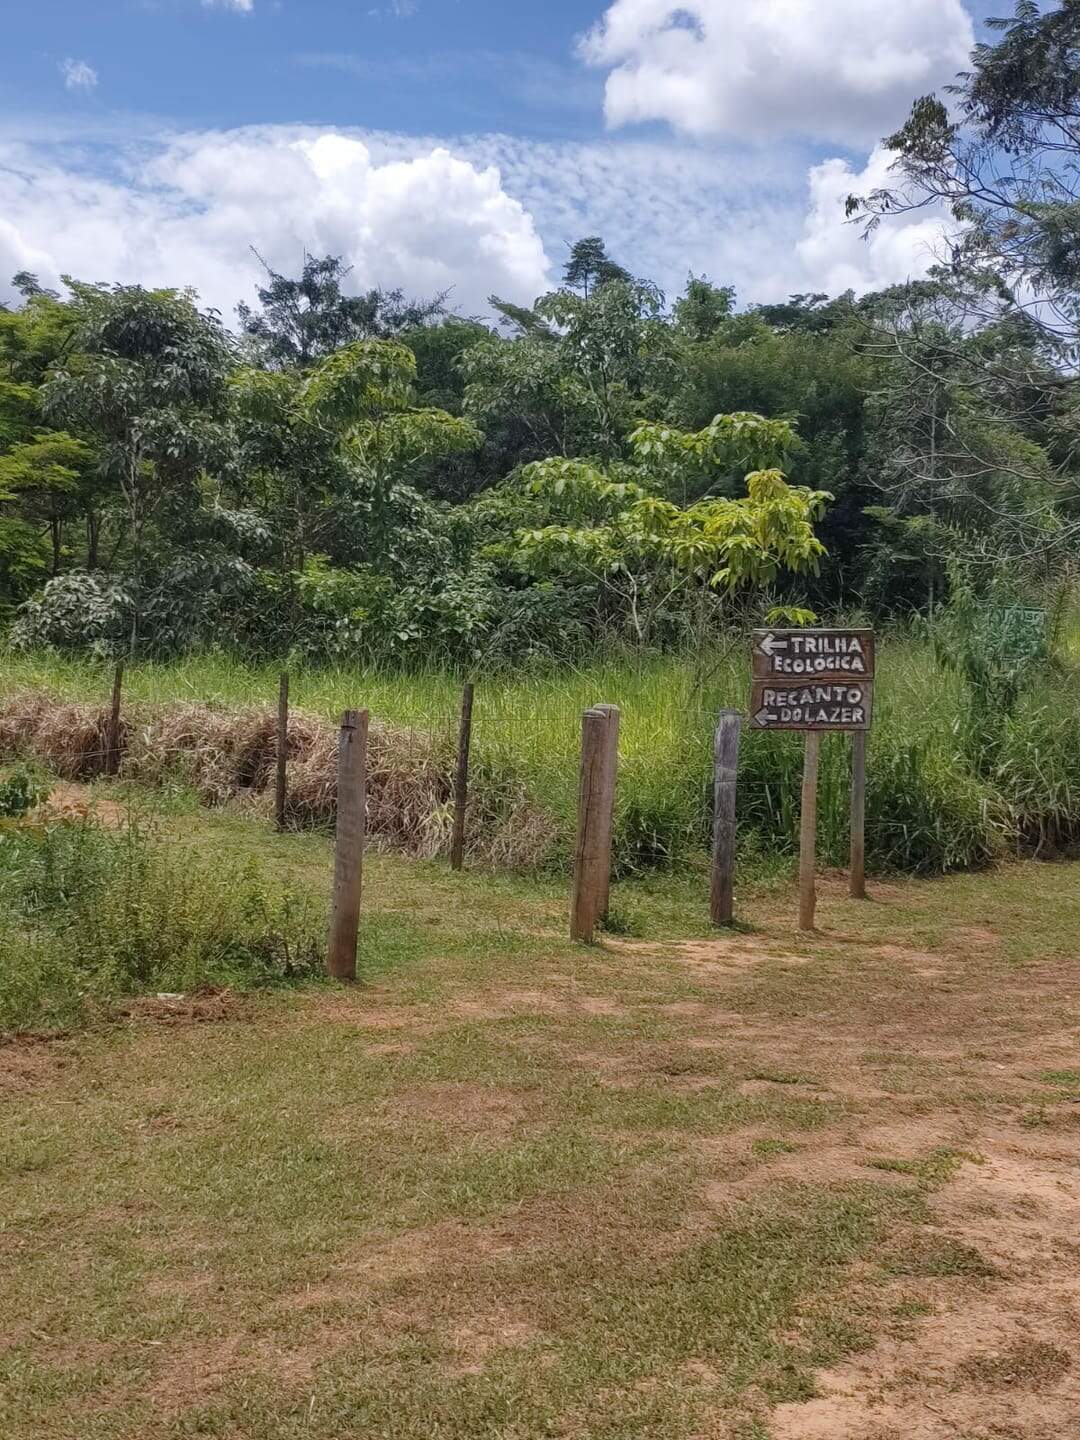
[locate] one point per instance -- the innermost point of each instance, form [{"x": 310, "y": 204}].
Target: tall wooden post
[
  {"x": 282, "y": 750},
  {"x": 725, "y": 774},
  {"x": 594, "y": 800},
  {"x": 112, "y": 734},
  {"x": 349, "y": 845},
  {"x": 808, "y": 831},
  {"x": 857, "y": 874},
  {"x": 607, "y": 813},
  {"x": 461, "y": 779}
]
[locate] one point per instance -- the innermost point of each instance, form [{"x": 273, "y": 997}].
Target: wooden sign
[
  {"x": 819, "y": 705},
  {"x": 813, "y": 655},
  {"x": 817, "y": 680}
]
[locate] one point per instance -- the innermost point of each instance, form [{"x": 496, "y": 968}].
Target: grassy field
[
  {"x": 673, "y": 1186},
  {"x": 931, "y": 808}
]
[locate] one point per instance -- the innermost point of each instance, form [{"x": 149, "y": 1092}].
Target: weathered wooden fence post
[
  {"x": 725, "y": 776},
  {"x": 461, "y": 779},
  {"x": 808, "y": 831},
  {"x": 857, "y": 875},
  {"x": 592, "y": 853},
  {"x": 112, "y": 734},
  {"x": 349, "y": 844},
  {"x": 607, "y": 814},
  {"x": 282, "y": 750}
]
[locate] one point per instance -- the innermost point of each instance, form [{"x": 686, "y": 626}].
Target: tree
[
  {"x": 146, "y": 384},
  {"x": 590, "y": 266},
  {"x": 579, "y": 375},
  {"x": 326, "y": 455},
  {"x": 702, "y": 308},
  {"x": 303, "y": 320},
  {"x": 1002, "y": 157},
  {"x": 649, "y": 555}
]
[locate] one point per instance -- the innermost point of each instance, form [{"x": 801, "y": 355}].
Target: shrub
[
  {"x": 90, "y": 914},
  {"x": 20, "y": 793}
]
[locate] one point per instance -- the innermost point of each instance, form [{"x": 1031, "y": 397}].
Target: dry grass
[{"x": 229, "y": 756}]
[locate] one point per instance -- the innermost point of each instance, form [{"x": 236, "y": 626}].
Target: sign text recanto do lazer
[{"x": 812, "y": 679}]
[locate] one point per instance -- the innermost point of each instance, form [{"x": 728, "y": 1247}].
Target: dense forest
[{"x": 373, "y": 476}]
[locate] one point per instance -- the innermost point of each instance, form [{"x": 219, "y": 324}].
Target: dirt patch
[
  {"x": 462, "y": 1106},
  {"x": 27, "y": 1062},
  {"x": 203, "y": 1007},
  {"x": 71, "y": 801},
  {"x": 992, "y": 1360},
  {"x": 479, "y": 1339},
  {"x": 189, "y": 1372}
]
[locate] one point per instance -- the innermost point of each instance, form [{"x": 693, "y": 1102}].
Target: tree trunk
[{"x": 93, "y": 537}]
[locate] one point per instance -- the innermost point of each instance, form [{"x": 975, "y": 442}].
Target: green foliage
[
  {"x": 590, "y": 266},
  {"x": 21, "y": 792},
  {"x": 303, "y": 320},
  {"x": 90, "y": 915},
  {"x": 366, "y": 479}
]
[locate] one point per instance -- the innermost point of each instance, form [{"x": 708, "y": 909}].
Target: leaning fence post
[
  {"x": 349, "y": 844},
  {"x": 594, "y": 801},
  {"x": 725, "y": 775},
  {"x": 112, "y": 734},
  {"x": 461, "y": 779},
  {"x": 282, "y": 749}
]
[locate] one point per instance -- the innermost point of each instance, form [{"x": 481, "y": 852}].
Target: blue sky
[
  {"x": 460, "y": 142},
  {"x": 433, "y": 66}
]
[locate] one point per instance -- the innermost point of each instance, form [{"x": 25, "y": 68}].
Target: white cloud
[
  {"x": 482, "y": 214},
  {"x": 835, "y": 253},
  {"x": 187, "y": 212},
  {"x": 78, "y": 75},
  {"x": 840, "y": 70},
  {"x": 245, "y": 7}
]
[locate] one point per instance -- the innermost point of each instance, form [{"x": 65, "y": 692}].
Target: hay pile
[{"x": 229, "y": 756}]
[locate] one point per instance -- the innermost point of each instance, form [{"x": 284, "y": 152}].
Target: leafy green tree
[
  {"x": 146, "y": 384},
  {"x": 579, "y": 383},
  {"x": 590, "y": 266},
  {"x": 52, "y": 477},
  {"x": 650, "y": 556},
  {"x": 326, "y": 455},
  {"x": 302, "y": 320},
  {"x": 702, "y": 308},
  {"x": 1001, "y": 156}
]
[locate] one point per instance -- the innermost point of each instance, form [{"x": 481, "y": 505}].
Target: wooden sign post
[{"x": 816, "y": 681}]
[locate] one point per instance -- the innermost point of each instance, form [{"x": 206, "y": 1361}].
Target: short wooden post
[
  {"x": 857, "y": 876},
  {"x": 282, "y": 750},
  {"x": 725, "y": 775},
  {"x": 349, "y": 845},
  {"x": 607, "y": 813},
  {"x": 112, "y": 734},
  {"x": 592, "y": 800},
  {"x": 808, "y": 831},
  {"x": 461, "y": 779}
]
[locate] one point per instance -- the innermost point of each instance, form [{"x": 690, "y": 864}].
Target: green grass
[
  {"x": 508, "y": 1186},
  {"x": 930, "y": 809}
]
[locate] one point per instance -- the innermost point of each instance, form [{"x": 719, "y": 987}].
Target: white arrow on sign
[
  {"x": 770, "y": 644},
  {"x": 763, "y": 716}
]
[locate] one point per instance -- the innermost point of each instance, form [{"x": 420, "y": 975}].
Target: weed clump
[{"x": 89, "y": 914}]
